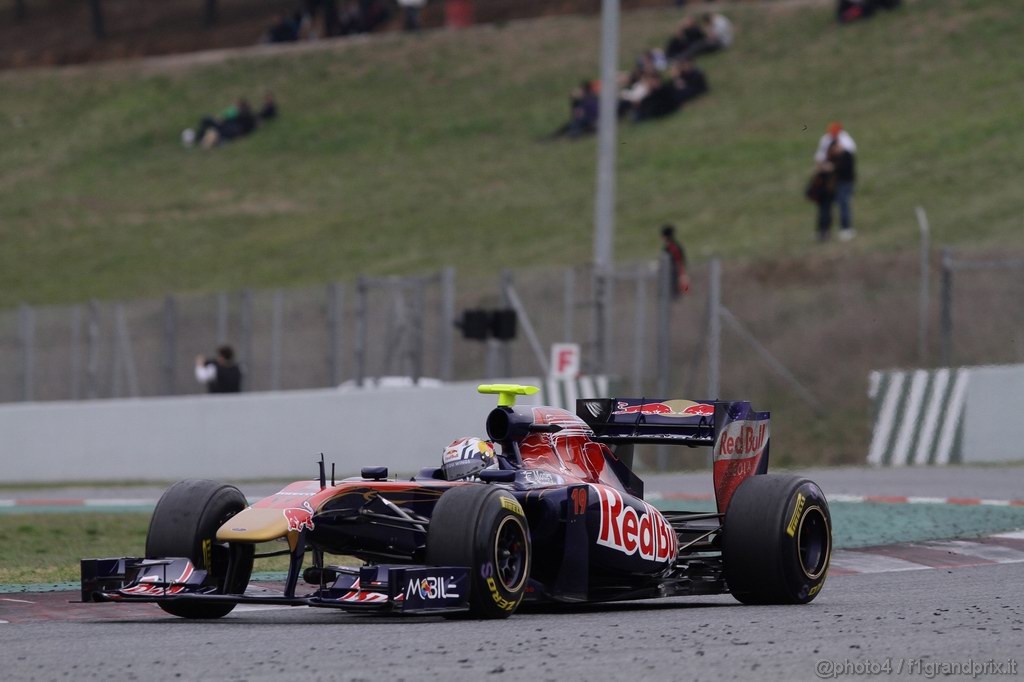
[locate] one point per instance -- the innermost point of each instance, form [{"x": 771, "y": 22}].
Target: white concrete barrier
[
  {"x": 250, "y": 435},
  {"x": 947, "y": 416}
]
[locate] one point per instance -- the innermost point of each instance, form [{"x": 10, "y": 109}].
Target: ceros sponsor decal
[
  {"x": 512, "y": 505},
  {"x": 299, "y": 517},
  {"x": 668, "y": 408},
  {"x": 487, "y": 573},
  {"x": 645, "y": 533},
  {"x": 432, "y": 587},
  {"x": 795, "y": 518}
]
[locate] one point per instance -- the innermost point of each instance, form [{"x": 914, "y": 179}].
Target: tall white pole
[
  {"x": 604, "y": 204},
  {"x": 604, "y": 208}
]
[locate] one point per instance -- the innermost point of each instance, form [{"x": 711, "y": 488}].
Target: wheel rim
[
  {"x": 510, "y": 553},
  {"x": 813, "y": 542}
]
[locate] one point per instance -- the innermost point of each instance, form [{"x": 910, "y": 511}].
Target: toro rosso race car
[{"x": 547, "y": 510}]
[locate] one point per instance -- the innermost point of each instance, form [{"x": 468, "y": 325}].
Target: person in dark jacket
[
  {"x": 680, "y": 281},
  {"x": 220, "y": 374}
]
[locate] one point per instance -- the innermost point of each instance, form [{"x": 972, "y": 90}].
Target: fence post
[
  {"x": 170, "y": 346},
  {"x": 639, "y": 329},
  {"x": 27, "y": 339},
  {"x": 506, "y": 347},
  {"x": 245, "y": 322},
  {"x": 416, "y": 329},
  {"x": 665, "y": 285},
  {"x": 447, "y": 331},
  {"x": 76, "y": 352},
  {"x": 922, "y": 326},
  {"x": 569, "y": 309},
  {"x": 946, "y": 321},
  {"x": 124, "y": 357},
  {"x": 362, "y": 294},
  {"x": 222, "y": 318},
  {"x": 714, "y": 329},
  {"x": 276, "y": 332},
  {"x": 600, "y": 289},
  {"x": 664, "y": 341},
  {"x": 92, "y": 362},
  {"x": 335, "y": 299}
]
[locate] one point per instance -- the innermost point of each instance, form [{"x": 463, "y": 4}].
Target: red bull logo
[
  {"x": 737, "y": 454},
  {"x": 299, "y": 518},
  {"x": 623, "y": 528},
  {"x": 668, "y": 408}
]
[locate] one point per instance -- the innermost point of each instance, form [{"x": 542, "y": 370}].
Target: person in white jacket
[{"x": 834, "y": 133}]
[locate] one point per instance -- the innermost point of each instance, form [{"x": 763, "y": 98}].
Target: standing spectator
[
  {"x": 822, "y": 191},
  {"x": 411, "y": 13},
  {"x": 220, "y": 374},
  {"x": 834, "y": 133},
  {"x": 677, "y": 260},
  {"x": 837, "y": 148}
]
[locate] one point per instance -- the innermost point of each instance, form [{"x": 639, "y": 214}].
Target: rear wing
[
  {"x": 664, "y": 422},
  {"x": 738, "y": 434}
]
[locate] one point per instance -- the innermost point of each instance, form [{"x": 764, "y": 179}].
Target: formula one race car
[{"x": 556, "y": 516}]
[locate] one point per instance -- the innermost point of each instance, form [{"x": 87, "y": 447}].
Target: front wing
[{"x": 381, "y": 588}]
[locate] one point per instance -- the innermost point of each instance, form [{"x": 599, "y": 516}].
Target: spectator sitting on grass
[
  {"x": 687, "y": 34},
  {"x": 234, "y": 122},
  {"x": 269, "y": 109},
  {"x": 685, "y": 83},
  {"x": 718, "y": 35},
  {"x": 584, "y": 107}
]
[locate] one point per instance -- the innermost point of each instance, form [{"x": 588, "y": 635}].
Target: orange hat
[{"x": 834, "y": 127}]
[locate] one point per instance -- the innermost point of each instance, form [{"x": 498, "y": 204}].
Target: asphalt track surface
[
  {"x": 907, "y": 622},
  {"x": 933, "y": 617}
]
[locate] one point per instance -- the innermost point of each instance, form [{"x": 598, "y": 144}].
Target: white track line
[
  {"x": 864, "y": 562},
  {"x": 1012, "y": 535},
  {"x": 997, "y": 553}
]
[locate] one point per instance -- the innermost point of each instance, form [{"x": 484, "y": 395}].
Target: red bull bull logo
[
  {"x": 299, "y": 518},
  {"x": 668, "y": 408}
]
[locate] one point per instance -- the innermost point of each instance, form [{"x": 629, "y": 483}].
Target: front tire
[
  {"x": 184, "y": 524},
  {"x": 776, "y": 540},
  {"x": 484, "y": 528}
]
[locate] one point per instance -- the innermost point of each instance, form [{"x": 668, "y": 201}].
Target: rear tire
[
  {"x": 483, "y": 527},
  {"x": 776, "y": 540},
  {"x": 184, "y": 523}
]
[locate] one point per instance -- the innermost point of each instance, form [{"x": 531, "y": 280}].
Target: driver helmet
[{"x": 466, "y": 457}]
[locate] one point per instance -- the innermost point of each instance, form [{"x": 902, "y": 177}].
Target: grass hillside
[{"x": 399, "y": 154}]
